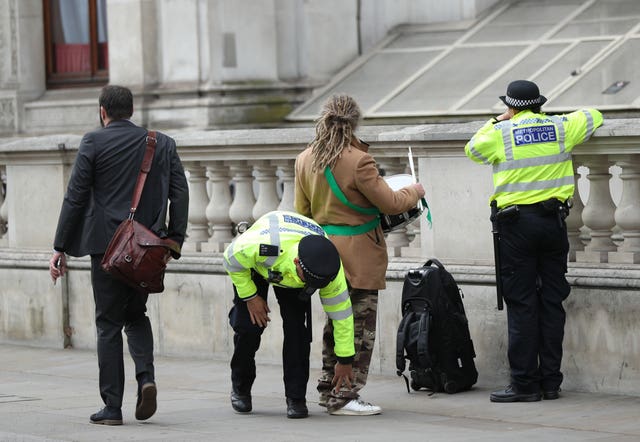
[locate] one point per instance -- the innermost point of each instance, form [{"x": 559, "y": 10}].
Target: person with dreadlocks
[{"x": 337, "y": 183}]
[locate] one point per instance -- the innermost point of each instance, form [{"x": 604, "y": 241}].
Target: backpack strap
[
  {"x": 403, "y": 328},
  {"x": 401, "y": 362},
  {"x": 423, "y": 339}
]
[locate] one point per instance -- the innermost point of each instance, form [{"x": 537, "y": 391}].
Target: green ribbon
[{"x": 424, "y": 202}]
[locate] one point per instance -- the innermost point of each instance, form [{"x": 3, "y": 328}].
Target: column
[
  {"x": 287, "y": 173},
  {"x": 598, "y": 214},
  {"x": 574, "y": 220},
  {"x": 241, "y": 208},
  {"x": 133, "y": 65},
  {"x": 267, "y": 180},
  {"x": 627, "y": 214},
  {"x": 217, "y": 211},
  {"x": 198, "y": 227},
  {"x": 22, "y": 71}
]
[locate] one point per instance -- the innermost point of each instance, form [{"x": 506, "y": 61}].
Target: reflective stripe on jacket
[
  {"x": 271, "y": 244},
  {"x": 531, "y": 154}
]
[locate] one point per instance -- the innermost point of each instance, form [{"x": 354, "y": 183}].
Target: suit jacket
[
  {"x": 101, "y": 186},
  {"x": 364, "y": 256}
]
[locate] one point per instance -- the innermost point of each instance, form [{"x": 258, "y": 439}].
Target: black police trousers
[
  {"x": 296, "y": 341},
  {"x": 533, "y": 250}
]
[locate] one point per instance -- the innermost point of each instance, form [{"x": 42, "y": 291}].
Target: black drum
[{"x": 390, "y": 223}]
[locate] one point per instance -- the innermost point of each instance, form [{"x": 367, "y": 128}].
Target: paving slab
[{"x": 48, "y": 395}]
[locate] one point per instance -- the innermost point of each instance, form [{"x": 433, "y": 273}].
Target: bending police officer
[
  {"x": 292, "y": 253},
  {"x": 533, "y": 176}
]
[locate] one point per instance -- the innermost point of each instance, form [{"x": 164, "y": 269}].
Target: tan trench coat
[{"x": 364, "y": 256}]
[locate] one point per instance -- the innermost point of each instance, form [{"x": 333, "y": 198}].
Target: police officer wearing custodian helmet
[
  {"x": 292, "y": 253},
  {"x": 533, "y": 175}
]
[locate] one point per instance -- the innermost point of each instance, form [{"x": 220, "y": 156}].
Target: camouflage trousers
[{"x": 365, "y": 308}]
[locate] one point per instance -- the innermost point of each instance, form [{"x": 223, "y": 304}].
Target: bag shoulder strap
[
  {"x": 144, "y": 171},
  {"x": 342, "y": 197}
]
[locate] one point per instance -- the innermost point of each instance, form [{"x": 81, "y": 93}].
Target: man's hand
[
  {"x": 57, "y": 266},
  {"x": 419, "y": 188},
  {"x": 258, "y": 311},
  {"x": 343, "y": 375}
]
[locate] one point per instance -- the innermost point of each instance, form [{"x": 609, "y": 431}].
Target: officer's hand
[
  {"x": 507, "y": 115},
  {"x": 258, "y": 311},
  {"x": 343, "y": 375}
]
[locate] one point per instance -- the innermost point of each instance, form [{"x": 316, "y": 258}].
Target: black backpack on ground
[{"x": 434, "y": 333}]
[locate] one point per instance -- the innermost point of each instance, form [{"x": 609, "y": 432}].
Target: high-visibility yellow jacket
[
  {"x": 270, "y": 245},
  {"x": 531, "y": 154}
]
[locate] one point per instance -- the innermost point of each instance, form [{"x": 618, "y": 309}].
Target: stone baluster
[
  {"x": 286, "y": 172},
  {"x": 198, "y": 227},
  {"x": 598, "y": 214},
  {"x": 243, "y": 199},
  {"x": 397, "y": 239},
  {"x": 217, "y": 211},
  {"x": 266, "y": 179},
  {"x": 574, "y": 220},
  {"x": 4, "y": 211},
  {"x": 627, "y": 214}
]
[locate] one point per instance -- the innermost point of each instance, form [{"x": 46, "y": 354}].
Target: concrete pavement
[{"x": 48, "y": 395}]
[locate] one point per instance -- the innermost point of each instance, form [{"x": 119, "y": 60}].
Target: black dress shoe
[
  {"x": 297, "y": 408},
  {"x": 551, "y": 394},
  {"x": 510, "y": 395},
  {"x": 107, "y": 416},
  {"x": 146, "y": 405},
  {"x": 241, "y": 402}
]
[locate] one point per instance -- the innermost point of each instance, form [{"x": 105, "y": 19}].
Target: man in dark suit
[{"x": 98, "y": 198}]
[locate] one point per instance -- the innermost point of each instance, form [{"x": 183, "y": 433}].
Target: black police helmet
[
  {"x": 523, "y": 94},
  {"x": 319, "y": 260}
]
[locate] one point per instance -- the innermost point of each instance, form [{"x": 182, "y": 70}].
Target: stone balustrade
[{"x": 238, "y": 175}]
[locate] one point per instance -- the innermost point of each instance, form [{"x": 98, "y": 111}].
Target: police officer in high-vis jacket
[
  {"x": 292, "y": 253},
  {"x": 533, "y": 176}
]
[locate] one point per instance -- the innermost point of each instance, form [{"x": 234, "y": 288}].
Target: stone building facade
[{"x": 201, "y": 63}]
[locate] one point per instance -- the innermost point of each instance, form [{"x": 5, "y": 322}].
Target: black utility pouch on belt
[
  {"x": 555, "y": 206},
  {"x": 508, "y": 214}
]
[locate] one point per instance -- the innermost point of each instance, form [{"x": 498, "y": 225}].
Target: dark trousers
[
  {"x": 295, "y": 347},
  {"x": 119, "y": 306},
  {"x": 534, "y": 249}
]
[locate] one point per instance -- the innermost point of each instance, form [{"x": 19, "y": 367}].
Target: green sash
[{"x": 333, "y": 229}]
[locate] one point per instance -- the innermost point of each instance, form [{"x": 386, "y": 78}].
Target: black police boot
[
  {"x": 297, "y": 408},
  {"x": 509, "y": 394},
  {"x": 241, "y": 402},
  {"x": 107, "y": 416},
  {"x": 551, "y": 394}
]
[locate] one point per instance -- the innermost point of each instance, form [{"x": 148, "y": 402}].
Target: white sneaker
[{"x": 356, "y": 407}]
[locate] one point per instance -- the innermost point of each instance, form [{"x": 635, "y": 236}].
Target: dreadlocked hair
[{"x": 334, "y": 129}]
